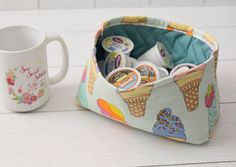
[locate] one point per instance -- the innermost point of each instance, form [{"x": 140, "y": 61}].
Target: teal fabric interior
[{"x": 183, "y": 48}]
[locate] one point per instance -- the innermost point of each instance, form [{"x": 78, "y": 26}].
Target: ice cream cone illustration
[
  {"x": 109, "y": 110},
  {"x": 215, "y": 60},
  {"x": 210, "y": 39},
  {"x": 169, "y": 126},
  {"x": 82, "y": 93},
  {"x": 210, "y": 103},
  {"x": 188, "y": 84},
  {"x": 93, "y": 73},
  {"x": 106, "y": 24},
  {"x": 136, "y": 99},
  {"x": 134, "y": 20},
  {"x": 181, "y": 27}
]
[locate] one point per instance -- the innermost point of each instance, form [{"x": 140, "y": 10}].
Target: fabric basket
[{"x": 184, "y": 107}]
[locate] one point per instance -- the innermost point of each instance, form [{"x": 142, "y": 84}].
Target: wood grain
[
  {"x": 117, "y": 4},
  {"x": 18, "y": 4},
  {"x": 60, "y": 134},
  {"x": 169, "y": 3},
  {"x": 84, "y": 138},
  {"x": 49, "y": 20},
  {"x": 203, "y": 164},
  {"x": 65, "y": 4}
]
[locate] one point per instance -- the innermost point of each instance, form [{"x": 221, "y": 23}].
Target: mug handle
[{"x": 65, "y": 59}]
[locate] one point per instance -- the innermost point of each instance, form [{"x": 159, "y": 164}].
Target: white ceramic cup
[{"x": 23, "y": 67}]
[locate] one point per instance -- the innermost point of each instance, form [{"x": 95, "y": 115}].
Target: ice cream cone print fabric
[
  {"x": 140, "y": 20},
  {"x": 188, "y": 84},
  {"x": 171, "y": 108},
  {"x": 111, "y": 111},
  {"x": 210, "y": 103},
  {"x": 136, "y": 99},
  {"x": 82, "y": 96},
  {"x": 169, "y": 126},
  {"x": 180, "y": 27},
  {"x": 93, "y": 73}
]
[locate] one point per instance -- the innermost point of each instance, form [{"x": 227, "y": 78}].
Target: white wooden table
[{"x": 60, "y": 134}]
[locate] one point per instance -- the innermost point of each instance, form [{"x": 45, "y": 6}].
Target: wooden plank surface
[
  {"x": 18, "y": 4},
  {"x": 90, "y": 20},
  {"x": 206, "y": 164},
  {"x": 58, "y": 135},
  {"x": 82, "y": 137}
]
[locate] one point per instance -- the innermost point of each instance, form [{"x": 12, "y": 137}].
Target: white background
[{"x": 61, "y": 134}]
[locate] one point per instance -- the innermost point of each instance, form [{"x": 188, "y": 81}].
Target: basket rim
[{"x": 197, "y": 33}]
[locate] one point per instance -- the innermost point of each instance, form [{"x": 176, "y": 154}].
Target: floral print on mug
[{"x": 26, "y": 84}]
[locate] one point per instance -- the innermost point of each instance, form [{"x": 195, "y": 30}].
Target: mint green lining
[{"x": 183, "y": 48}]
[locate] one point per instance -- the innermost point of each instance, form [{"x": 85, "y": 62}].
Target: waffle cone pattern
[
  {"x": 189, "y": 85},
  {"x": 91, "y": 82},
  {"x": 136, "y": 99},
  {"x": 215, "y": 60},
  {"x": 92, "y": 76}
]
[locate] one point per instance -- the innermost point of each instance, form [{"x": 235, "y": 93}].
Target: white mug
[{"x": 23, "y": 67}]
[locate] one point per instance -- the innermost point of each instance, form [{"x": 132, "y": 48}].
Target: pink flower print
[
  {"x": 20, "y": 90},
  {"x": 27, "y": 98},
  {"x": 10, "y": 77},
  {"x": 10, "y": 81},
  {"x": 34, "y": 98},
  {"x": 209, "y": 96}
]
